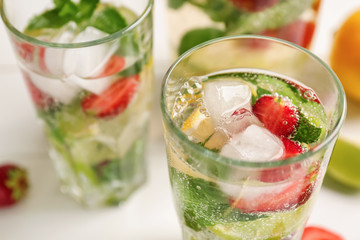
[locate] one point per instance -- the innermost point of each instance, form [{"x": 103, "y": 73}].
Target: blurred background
[{"x": 149, "y": 214}]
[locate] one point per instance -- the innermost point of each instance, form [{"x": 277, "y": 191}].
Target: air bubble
[{"x": 309, "y": 94}]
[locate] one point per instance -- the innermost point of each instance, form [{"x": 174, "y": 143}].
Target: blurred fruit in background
[
  {"x": 192, "y": 22},
  {"x": 344, "y": 165},
  {"x": 345, "y": 55}
]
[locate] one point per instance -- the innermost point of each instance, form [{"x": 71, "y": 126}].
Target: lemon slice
[
  {"x": 217, "y": 140},
  {"x": 198, "y": 126},
  {"x": 345, "y": 163}
]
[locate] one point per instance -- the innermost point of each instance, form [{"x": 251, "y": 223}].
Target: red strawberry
[
  {"x": 13, "y": 184},
  {"x": 42, "y": 63},
  {"x": 113, "y": 100},
  {"x": 291, "y": 148},
  {"x": 279, "y": 197},
  {"x": 24, "y": 50},
  {"x": 318, "y": 233},
  {"x": 114, "y": 65},
  {"x": 40, "y": 99},
  {"x": 254, "y": 5},
  {"x": 278, "y": 114},
  {"x": 298, "y": 32}
]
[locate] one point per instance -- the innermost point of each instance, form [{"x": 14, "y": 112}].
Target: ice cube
[
  {"x": 239, "y": 121},
  {"x": 96, "y": 86},
  {"x": 252, "y": 193},
  {"x": 53, "y": 57},
  {"x": 222, "y": 98},
  {"x": 66, "y": 34},
  {"x": 255, "y": 143},
  {"x": 88, "y": 61},
  {"x": 57, "y": 89}
]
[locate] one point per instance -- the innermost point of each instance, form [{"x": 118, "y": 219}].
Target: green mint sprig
[
  {"x": 107, "y": 19},
  {"x": 63, "y": 12},
  {"x": 203, "y": 204},
  {"x": 306, "y": 132}
]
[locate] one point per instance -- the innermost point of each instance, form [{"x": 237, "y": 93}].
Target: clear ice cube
[
  {"x": 96, "y": 86},
  {"x": 88, "y": 61},
  {"x": 239, "y": 121},
  {"x": 57, "y": 89},
  {"x": 222, "y": 98},
  {"x": 255, "y": 143},
  {"x": 53, "y": 57}
]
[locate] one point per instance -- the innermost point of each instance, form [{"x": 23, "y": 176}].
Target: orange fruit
[{"x": 345, "y": 55}]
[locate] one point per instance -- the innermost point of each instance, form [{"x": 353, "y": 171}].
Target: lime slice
[
  {"x": 345, "y": 163},
  {"x": 275, "y": 226}
]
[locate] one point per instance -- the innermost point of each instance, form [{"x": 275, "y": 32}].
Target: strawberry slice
[
  {"x": 113, "y": 100},
  {"x": 25, "y": 51},
  {"x": 40, "y": 99},
  {"x": 254, "y": 5},
  {"x": 278, "y": 114},
  {"x": 279, "y": 197},
  {"x": 318, "y": 233},
  {"x": 291, "y": 148},
  {"x": 114, "y": 65},
  {"x": 13, "y": 184}
]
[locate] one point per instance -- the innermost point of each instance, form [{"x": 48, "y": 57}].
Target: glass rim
[
  {"x": 216, "y": 157},
  {"x": 99, "y": 41}
]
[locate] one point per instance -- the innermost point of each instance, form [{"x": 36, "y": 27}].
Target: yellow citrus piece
[
  {"x": 345, "y": 55},
  {"x": 344, "y": 165},
  {"x": 217, "y": 140},
  {"x": 198, "y": 126}
]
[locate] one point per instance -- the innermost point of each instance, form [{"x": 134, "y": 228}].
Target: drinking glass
[
  {"x": 191, "y": 22},
  {"x": 88, "y": 68},
  {"x": 221, "y": 197}
]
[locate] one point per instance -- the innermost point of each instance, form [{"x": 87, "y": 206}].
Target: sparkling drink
[
  {"x": 243, "y": 142},
  {"x": 88, "y": 68}
]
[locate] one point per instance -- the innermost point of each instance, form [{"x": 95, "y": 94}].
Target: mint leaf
[
  {"x": 176, "y": 4},
  {"x": 217, "y": 10},
  {"x": 197, "y": 36},
  {"x": 49, "y": 19},
  {"x": 69, "y": 10},
  {"x": 202, "y": 203},
  {"x": 60, "y": 3},
  {"x": 281, "y": 14},
  {"x": 307, "y": 132},
  {"x": 64, "y": 12},
  {"x": 132, "y": 69},
  {"x": 109, "y": 20},
  {"x": 86, "y": 9}
]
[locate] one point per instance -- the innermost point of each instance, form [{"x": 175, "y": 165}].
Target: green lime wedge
[
  {"x": 345, "y": 163},
  {"x": 275, "y": 227}
]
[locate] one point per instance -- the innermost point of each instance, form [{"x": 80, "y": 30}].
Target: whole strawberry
[{"x": 13, "y": 184}]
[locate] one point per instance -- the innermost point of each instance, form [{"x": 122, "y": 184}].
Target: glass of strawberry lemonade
[
  {"x": 250, "y": 123},
  {"x": 88, "y": 68}
]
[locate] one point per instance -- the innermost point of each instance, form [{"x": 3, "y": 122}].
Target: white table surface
[{"x": 149, "y": 214}]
